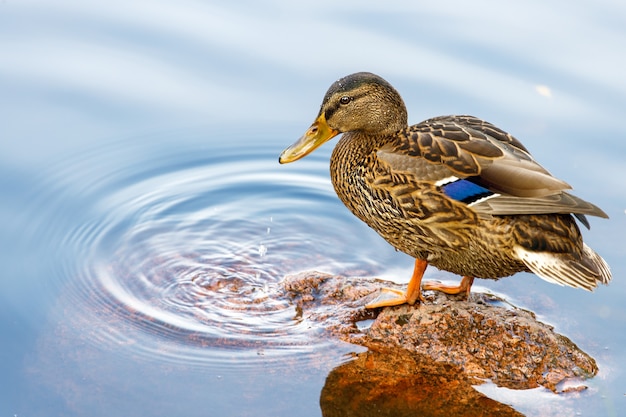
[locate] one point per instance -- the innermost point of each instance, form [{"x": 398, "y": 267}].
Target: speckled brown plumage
[{"x": 455, "y": 192}]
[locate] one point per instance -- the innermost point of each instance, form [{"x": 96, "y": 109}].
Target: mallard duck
[{"x": 455, "y": 192}]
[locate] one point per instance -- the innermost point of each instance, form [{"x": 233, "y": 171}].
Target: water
[{"x": 146, "y": 223}]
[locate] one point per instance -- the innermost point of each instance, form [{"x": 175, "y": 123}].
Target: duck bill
[{"x": 318, "y": 134}]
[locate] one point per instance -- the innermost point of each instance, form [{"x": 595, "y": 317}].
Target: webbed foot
[{"x": 464, "y": 287}]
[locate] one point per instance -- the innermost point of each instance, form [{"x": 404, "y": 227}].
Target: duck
[{"x": 455, "y": 192}]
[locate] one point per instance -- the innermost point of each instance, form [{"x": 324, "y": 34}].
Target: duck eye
[{"x": 345, "y": 100}]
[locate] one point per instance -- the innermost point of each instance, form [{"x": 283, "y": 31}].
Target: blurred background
[{"x": 140, "y": 189}]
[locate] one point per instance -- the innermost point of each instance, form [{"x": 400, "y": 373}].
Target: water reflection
[{"x": 394, "y": 383}]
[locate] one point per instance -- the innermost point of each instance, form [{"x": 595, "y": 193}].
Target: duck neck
[
  {"x": 353, "y": 151},
  {"x": 353, "y": 156}
]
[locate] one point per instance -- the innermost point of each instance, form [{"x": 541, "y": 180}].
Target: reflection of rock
[
  {"x": 486, "y": 340},
  {"x": 397, "y": 383}
]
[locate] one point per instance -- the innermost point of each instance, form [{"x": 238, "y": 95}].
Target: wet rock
[{"x": 485, "y": 337}]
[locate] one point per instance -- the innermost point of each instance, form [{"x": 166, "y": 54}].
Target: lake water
[{"x": 145, "y": 222}]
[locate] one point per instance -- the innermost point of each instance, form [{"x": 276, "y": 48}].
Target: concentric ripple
[{"x": 181, "y": 255}]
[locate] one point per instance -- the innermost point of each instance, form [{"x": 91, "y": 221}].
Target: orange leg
[
  {"x": 464, "y": 286},
  {"x": 413, "y": 291}
]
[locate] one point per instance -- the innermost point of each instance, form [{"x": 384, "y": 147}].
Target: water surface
[{"x": 146, "y": 224}]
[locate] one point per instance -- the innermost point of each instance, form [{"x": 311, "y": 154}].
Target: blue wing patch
[{"x": 466, "y": 191}]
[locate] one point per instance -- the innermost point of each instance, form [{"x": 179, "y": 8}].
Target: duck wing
[{"x": 475, "y": 162}]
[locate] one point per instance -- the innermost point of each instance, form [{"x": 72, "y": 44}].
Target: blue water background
[{"x": 147, "y": 133}]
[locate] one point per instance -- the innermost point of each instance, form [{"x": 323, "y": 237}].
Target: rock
[{"x": 485, "y": 338}]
